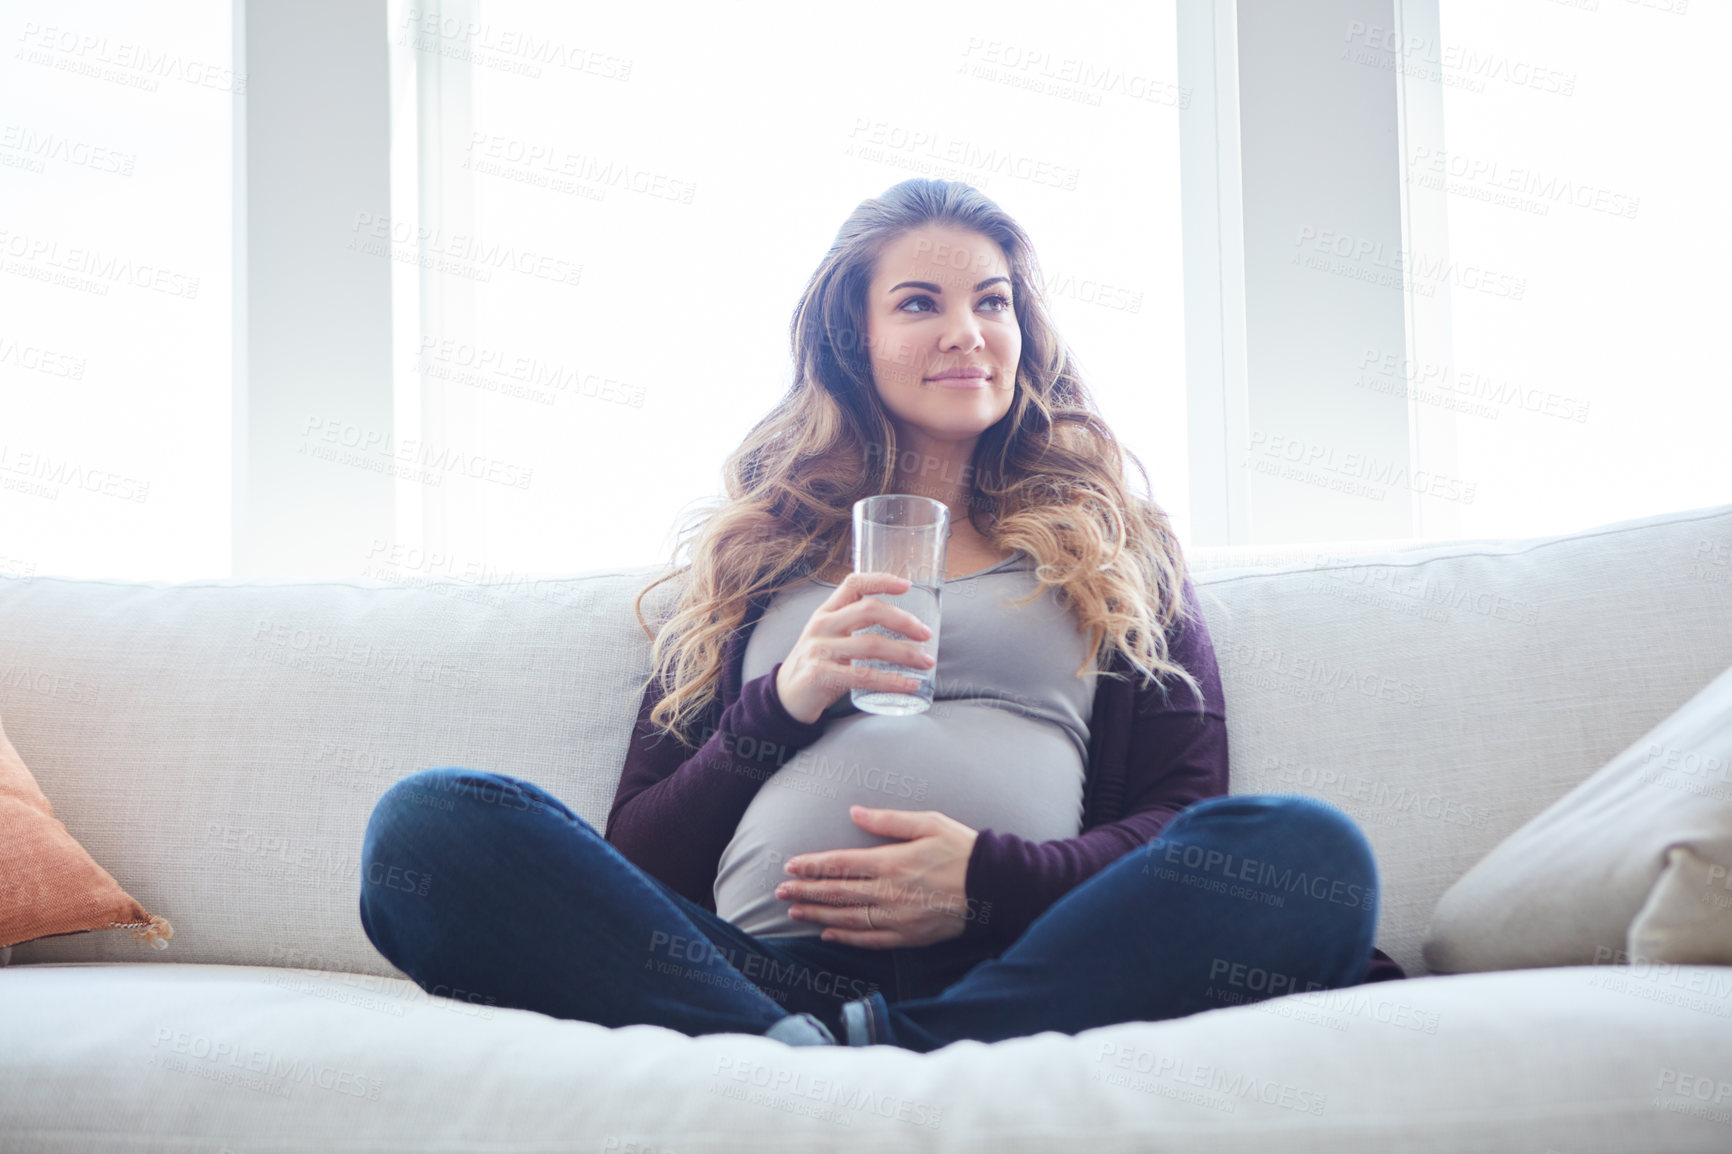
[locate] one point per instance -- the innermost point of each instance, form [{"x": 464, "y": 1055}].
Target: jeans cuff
[
  {"x": 866, "y": 1021},
  {"x": 801, "y": 1030}
]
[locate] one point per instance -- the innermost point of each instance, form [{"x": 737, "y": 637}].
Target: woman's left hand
[{"x": 915, "y": 890}]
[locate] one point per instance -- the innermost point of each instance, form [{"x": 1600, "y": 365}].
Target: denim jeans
[{"x": 483, "y": 887}]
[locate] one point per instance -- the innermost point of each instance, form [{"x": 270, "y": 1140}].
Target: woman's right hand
[{"x": 818, "y": 669}]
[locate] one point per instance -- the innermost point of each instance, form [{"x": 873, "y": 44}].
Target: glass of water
[{"x": 904, "y": 535}]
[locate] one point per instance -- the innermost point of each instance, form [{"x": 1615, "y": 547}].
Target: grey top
[{"x": 1004, "y": 744}]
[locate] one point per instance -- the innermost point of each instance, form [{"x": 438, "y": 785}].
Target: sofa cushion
[
  {"x": 220, "y": 744},
  {"x": 48, "y": 883},
  {"x": 128, "y": 1057},
  {"x": 1444, "y": 694},
  {"x": 1634, "y": 862}
]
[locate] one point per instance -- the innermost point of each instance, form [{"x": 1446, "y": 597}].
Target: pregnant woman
[{"x": 1051, "y": 846}]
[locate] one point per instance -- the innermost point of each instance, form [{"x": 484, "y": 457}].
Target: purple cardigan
[{"x": 1148, "y": 759}]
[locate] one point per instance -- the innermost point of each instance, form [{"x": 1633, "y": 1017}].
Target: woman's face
[{"x": 939, "y": 302}]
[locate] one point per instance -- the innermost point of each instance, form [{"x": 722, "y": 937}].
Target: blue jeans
[{"x": 488, "y": 889}]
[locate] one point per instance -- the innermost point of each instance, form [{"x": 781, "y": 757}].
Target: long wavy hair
[{"x": 1047, "y": 478}]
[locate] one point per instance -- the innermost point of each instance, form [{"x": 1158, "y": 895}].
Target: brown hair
[{"x": 1047, "y": 478}]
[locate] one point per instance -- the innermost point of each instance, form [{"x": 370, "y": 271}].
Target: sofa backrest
[{"x": 219, "y": 745}]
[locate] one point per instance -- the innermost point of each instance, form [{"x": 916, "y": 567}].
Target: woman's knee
[
  {"x": 1325, "y": 826},
  {"x": 441, "y": 787},
  {"x": 433, "y": 823},
  {"x": 1319, "y": 818},
  {"x": 1340, "y": 871},
  {"x": 437, "y": 814},
  {"x": 1311, "y": 843},
  {"x": 447, "y": 789}
]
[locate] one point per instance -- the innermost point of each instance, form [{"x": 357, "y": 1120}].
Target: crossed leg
[
  {"x": 1241, "y": 898},
  {"x": 487, "y": 884}
]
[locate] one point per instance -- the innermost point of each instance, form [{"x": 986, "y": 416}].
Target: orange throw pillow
[{"x": 48, "y": 883}]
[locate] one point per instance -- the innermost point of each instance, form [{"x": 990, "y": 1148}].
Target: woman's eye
[{"x": 1003, "y": 303}]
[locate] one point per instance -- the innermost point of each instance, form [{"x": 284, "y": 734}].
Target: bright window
[
  {"x": 115, "y": 290},
  {"x": 669, "y": 178},
  {"x": 1584, "y": 169}
]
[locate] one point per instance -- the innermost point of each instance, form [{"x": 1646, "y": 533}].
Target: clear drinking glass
[{"x": 905, "y": 535}]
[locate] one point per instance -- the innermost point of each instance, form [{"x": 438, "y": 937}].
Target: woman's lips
[{"x": 976, "y": 380}]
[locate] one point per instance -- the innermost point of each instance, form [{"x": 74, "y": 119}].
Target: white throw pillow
[{"x": 1632, "y": 865}]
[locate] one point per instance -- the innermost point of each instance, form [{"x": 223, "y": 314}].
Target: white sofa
[{"x": 218, "y": 746}]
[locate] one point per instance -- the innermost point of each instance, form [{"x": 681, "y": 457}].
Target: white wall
[
  {"x": 1294, "y": 255},
  {"x": 315, "y": 445}
]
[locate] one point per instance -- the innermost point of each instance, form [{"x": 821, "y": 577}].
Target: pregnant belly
[{"x": 981, "y": 765}]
